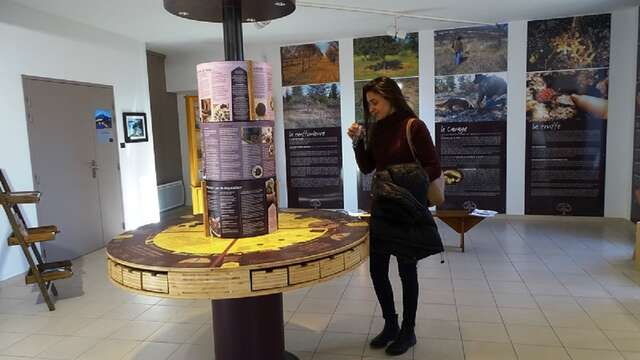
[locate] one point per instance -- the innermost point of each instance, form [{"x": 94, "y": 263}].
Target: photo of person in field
[{"x": 472, "y": 50}]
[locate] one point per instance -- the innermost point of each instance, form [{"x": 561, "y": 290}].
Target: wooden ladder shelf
[{"x": 40, "y": 273}]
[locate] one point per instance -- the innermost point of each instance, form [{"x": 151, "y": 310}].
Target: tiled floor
[{"x": 525, "y": 289}]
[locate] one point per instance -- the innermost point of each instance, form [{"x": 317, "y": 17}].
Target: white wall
[
  {"x": 620, "y": 125},
  {"x": 348, "y": 116},
  {"x": 516, "y": 116},
  {"x": 39, "y": 44},
  {"x": 181, "y": 76},
  {"x": 426, "y": 84},
  {"x": 180, "y": 69}
]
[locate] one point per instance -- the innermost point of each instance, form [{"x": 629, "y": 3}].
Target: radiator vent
[{"x": 171, "y": 195}]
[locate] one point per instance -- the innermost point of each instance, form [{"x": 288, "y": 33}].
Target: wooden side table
[{"x": 460, "y": 221}]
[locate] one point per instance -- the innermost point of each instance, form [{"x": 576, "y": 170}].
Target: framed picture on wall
[{"x": 135, "y": 127}]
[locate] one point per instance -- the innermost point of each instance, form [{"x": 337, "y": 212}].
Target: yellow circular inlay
[{"x": 189, "y": 238}]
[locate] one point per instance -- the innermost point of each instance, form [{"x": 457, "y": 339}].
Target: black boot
[
  {"x": 405, "y": 340},
  {"x": 389, "y": 333}
]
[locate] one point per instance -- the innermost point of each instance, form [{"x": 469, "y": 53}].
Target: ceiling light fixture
[
  {"x": 387, "y": 13},
  {"x": 250, "y": 20},
  {"x": 280, "y": 3},
  {"x": 394, "y": 30},
  {"x": 262, "y": 24},
  {"x": 183, "y": 13}
]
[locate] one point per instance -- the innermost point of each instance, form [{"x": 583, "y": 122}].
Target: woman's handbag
[{"x": 435, "y": 191}]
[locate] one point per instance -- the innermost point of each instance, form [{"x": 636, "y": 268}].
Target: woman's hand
[{"x": 355, "y": 131}]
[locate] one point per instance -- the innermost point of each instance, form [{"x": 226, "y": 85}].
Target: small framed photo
[{"x": 135, "y": 127}]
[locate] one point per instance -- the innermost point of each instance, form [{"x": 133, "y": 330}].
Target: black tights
[{"x": 379, "y": 269}]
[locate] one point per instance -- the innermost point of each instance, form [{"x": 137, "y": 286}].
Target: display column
[
  {"x": 237, "y": 121},
  {"x": 239, "y": 171}
]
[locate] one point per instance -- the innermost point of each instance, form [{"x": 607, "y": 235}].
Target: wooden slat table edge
[
  {"x": 250, "y": 293},
  {"x": 248, "y": 267},
  {"x": 133, "y": 258}
]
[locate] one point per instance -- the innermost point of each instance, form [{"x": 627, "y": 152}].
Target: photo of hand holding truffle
[{"x": 567, "y": 95}]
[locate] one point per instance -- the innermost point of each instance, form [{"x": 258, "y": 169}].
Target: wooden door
[{"x": 75, "y": 165}]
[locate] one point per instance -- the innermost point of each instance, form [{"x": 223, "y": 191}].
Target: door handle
[{"x": 94, "y": 168}]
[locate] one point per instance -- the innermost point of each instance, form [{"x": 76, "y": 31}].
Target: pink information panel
[{"x": 235, "y": 91}]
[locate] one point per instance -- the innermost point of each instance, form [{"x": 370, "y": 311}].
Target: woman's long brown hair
[{"x": 388, "y": 89}]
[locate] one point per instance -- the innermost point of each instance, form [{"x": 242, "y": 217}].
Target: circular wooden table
[{"x": 243, "y": 277}]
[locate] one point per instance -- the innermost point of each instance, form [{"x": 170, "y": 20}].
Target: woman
[{"x": 391, "y": 229}]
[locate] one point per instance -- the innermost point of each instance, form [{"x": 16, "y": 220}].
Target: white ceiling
[{"x": 147, "y": 21}]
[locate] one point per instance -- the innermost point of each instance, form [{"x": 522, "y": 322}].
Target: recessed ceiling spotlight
[
  {"x": 250, "y": 20},
  {"x": 280, "y": 3},
  {"x": 183, "y": 13},
  {"x": 261, "y": 24}
]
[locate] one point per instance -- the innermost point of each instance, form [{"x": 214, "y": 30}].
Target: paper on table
[
  {"x": 483, "y": 213},
  {"x": 358, "y": 213}
]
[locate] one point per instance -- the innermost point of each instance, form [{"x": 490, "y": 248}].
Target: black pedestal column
[
  {"x": 249, "y": 329},
  {"x": 232, "y": 25}
]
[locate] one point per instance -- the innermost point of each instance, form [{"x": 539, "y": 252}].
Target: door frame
[{"x": 115, "y": 129}]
